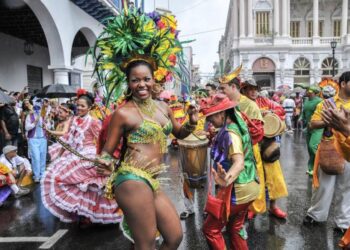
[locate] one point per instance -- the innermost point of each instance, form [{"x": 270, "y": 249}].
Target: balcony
[
  {"x": 308, "y": 41},
  {"x": 301, "y": 41}
]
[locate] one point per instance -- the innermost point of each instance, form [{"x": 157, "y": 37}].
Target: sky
[{"x": 196, "y": 16}]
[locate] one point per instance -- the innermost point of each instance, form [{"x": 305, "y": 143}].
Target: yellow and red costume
[{"x": 270, "y": 174}]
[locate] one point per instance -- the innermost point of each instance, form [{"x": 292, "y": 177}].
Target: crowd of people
[{"x": 95, "y": 166}]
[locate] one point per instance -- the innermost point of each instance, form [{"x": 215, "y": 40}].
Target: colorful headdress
[
  {"x": 135, "y": 36},
  {"x": 329, "y": 82},
  {"x": 228, "y": 78}
]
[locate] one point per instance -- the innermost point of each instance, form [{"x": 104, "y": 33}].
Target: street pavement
[{"x": 26, "y": 219}]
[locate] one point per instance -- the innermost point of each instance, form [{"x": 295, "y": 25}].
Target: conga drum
[
  {"x": 193, "y": 159},
  {"x": 273, "y": 125}
]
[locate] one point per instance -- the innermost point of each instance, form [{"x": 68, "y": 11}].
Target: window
[
  {"x": 327, "y": 67},
  {"x": 301, "y": 71},
  {"x": 74, "y": 79},
  {"x": 262, "y": 23},
  {"x": 309, "y": 28},
  {"x": 320, "y": 28},
  {"x": 295, "y": 29},
  {"x": 336, "y": 27},
  {"x": 34, "y": 78}
]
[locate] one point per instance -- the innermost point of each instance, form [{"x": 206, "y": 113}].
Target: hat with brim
[
  {"x": 8, "y": 149},
  {"x": 216, "y": 104},
  {"x": 249, "y": 83}
]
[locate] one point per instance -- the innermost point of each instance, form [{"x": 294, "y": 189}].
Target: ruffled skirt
[{"x": 71, "y": 187}]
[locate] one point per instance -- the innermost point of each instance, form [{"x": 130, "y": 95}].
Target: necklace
[{"x": 147, "y": 107}]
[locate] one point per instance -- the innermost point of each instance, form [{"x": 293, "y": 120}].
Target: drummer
[{"x": 272, "y": 174}]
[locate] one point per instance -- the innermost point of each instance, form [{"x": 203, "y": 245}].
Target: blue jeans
[{"x": 38, "y": 151}]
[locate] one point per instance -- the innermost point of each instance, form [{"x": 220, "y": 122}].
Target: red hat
[{"x": 216, "y": 104}]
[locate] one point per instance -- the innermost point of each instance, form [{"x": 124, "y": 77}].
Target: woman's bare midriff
[{"x": 145, "y": 155}]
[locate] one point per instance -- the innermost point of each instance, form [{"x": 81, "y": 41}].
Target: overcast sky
[{"x": 197, "y": 16}]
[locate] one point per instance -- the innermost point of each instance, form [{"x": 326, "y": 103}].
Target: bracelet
[
  {"x": 107, "y": 157},
  {"x": 188, "y": 127}
]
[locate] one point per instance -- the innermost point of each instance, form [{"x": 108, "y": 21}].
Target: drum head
[
  {"x": 272, "y": 125},
  {"x": 193, "y": 141}
]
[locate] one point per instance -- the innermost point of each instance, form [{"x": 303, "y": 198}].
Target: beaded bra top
[{"x": 151, "y": 132}]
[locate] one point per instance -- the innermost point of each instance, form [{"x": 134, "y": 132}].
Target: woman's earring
[{"x": 128, "y": 93}]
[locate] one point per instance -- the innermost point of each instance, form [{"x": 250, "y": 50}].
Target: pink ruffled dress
[{"x": 71, "y": 187}]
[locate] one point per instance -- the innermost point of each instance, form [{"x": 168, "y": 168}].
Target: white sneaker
[{"x": 21, "y": 192}]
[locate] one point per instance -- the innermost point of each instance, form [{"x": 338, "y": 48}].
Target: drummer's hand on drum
[
  {"x": 222, "y": 178},
  {"x": 193, "y": 112}
]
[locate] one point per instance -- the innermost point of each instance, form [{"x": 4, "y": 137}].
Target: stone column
[
  {"x": 235, "y": 18},
  {"x": 284, "y": 18},
  {"x": 315, "y": 19},
  {"x": 344, "y": 20},
  {"x": 241, "y": 19},
  {"x": 250, "y": 18},
  {"x": 276, "y": 17},
  {"x": 60, "y": 75}
]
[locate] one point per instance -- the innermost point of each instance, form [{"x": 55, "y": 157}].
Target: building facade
[
  {"x": 45, "y": 42},
  {"x": 286, "y": 41}
]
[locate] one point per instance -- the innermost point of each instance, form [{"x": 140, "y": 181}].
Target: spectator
[
  {"x": 19, "y": 166},
  {"x": 7, "y": 176},
  {"x": 10, "y": 123},
  {"x": 37, "y": 141},
  {"x": 64, "y": 115},
  {"x": 289, "y": 107},
  {"x": 211, "y": 89},
  {"x": 298, "y": 107}
]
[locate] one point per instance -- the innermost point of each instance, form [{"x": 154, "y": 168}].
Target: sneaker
[
  {"x": 186, "y": 214},
  {"x": 278, "y": 213},
  {"x": 308, "y": 221},
  {"x": 22, "y": 192}
]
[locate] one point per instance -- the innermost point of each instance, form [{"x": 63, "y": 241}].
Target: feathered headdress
[
  {"x": 228, "y": 78},
  {"x": 133, "y": 36}
]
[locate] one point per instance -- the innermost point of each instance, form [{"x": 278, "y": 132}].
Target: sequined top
[{"x": 151, "y": 132}]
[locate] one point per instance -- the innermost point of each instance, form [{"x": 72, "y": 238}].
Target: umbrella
[
  {"x": 166, "y": 94},
  {"x": 57, "y": 91},
  {"x": 5, "y": 99},
  {"x": 298, "y": 90}
]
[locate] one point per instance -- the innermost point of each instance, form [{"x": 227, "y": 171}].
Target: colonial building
[
  {"x": 286, "y": 41},
  {"x": 45, "y": 41}
]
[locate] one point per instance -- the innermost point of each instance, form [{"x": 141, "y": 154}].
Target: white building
[
  {"x": 286, "y": 41},
  {"x": 45, "y": 41}
]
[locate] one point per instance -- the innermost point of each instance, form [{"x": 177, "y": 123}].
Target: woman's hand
[
  {"x": 222, "y": 178},
  {"x": 105, "y": 167}
]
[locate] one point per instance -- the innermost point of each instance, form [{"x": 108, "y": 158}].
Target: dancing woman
[
  {"x": 144, "y": 125},
  {"x": 235, "y": 173},
  {"x": 71, "y": 188}
]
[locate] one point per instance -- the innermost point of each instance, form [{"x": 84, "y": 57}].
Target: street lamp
[{"x": 333, "y": 46}]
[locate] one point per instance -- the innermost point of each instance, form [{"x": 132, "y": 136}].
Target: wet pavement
[{"x": 27, "y": 217}]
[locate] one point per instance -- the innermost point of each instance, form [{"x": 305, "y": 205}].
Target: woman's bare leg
[
  {"x": 168, "y": 222},
  {"x": 136, "y": 199}
]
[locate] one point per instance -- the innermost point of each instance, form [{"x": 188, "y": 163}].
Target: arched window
[
  {"x": 301, "y": 70},
  {"x": 327, "y": 66}
]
